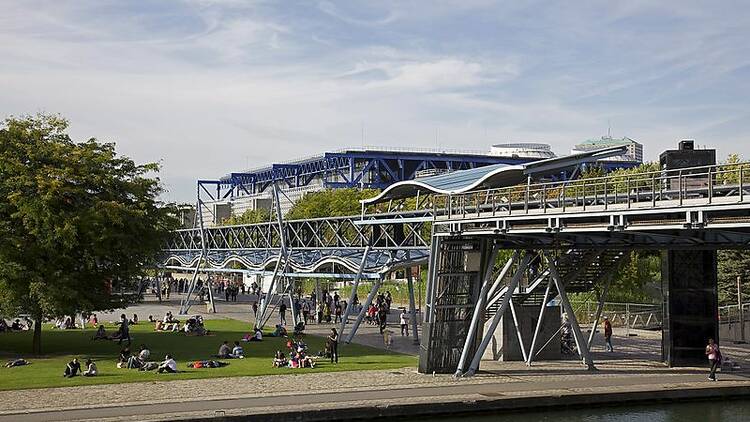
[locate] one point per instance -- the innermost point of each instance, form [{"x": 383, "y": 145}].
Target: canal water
[{"x": 704, "y": 411}]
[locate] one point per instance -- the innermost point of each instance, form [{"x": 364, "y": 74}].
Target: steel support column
[
  {"x": 479, "y": 306},
  {"x": 412, "y": 305},
  {"x": 512, "y": 286},
  {"x": 350, "y": 303},
  {"x": 538, "y": 327},
  {"x": 583, "y": 348},
  {"x": 518, "y": 329},
  {"x": 361, "y": 315}
]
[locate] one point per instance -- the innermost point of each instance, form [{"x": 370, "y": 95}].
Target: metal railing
[
  {"x": 731, "y": 314},
  {"x": 627, "y": 315},
  {"x": 654, "y": 189}
]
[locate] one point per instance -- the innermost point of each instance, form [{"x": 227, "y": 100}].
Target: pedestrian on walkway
[
  {"x": 255, "y": 309},
  {"x": 404, "y": 323},
  {"x": 333, "y": 345},
  {"x": 714, "y": 358},
  {"x": 608, "y": 335},
  {"x": 282, "y": 313}
]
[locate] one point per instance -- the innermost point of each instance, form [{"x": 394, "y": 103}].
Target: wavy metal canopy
[{"x": 489, "y": 177}]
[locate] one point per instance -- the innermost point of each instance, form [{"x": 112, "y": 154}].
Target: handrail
[{"x": 678, "y": 184}]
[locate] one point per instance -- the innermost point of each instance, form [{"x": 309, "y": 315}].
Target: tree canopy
[
  {"x": 78, "y": 222},
  {"x": 330, "y": 203}
]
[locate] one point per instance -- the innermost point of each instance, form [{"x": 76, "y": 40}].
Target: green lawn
[{"x": 61, "y": 346}]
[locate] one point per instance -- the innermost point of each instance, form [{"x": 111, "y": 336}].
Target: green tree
[
  {"x": 249, "y": 217},
  {"x": 733, "y": 264},
  {"x": 78, "y": 223},
  {"x": 330, "y": 203}
]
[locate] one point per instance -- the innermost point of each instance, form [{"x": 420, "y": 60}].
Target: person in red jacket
[{"x": 608, "y": 335}]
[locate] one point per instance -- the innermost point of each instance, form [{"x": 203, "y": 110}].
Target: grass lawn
[{"x": 59, "y": 347}]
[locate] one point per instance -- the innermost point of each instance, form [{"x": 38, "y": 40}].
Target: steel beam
[
  {"x": 583, "y": 348},
  {"x": 478, "y": 309},
  {"x": 350, "y": 303},
  {"x": 361, "y": 315},
  {"x": 512, "y": 286},
  {"x": 538, "y": 327},
  {"x": 412, "y": 305}
]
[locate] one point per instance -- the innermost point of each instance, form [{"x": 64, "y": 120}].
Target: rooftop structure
[
  {"x": 535, "y": 151},
  {"x": 357, "y": 167},
  {"x": 634, "y": 153}
]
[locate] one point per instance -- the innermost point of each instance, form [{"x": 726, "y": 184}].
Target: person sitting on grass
[
  {"x": 151, "y": 318},
  {"x": 280, "y": 331},
  {"x": 169, "y": 365},
  {"x": 3, "y": 326},
  {"x": 257, "y": 335},
  {"x": 134, "y": 321},
  {"x": 224, "y": 351},
  {"x": 91, "y": 370},
  {"x": 279, "y": 360},
  {"x": 144, "y": 354},
  {"x": 16, "y": 362},
  {"x": 16, "y": 325},
  {"x": 72, "y": 368},
  {"x": 124, "y": 358},
  {"x": 101, "y": 334},
  {"x": 238, "y": 352}
]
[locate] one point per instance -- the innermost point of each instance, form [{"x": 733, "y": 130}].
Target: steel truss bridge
[{"x": 567, "y": 237}]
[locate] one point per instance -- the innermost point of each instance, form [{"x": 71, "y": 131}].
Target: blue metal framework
[{"x": 348, "y": 169}]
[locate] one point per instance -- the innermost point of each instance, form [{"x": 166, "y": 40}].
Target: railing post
[
  {"x": 627, "y": 191},
  {"x": 742, "y": 191},
  {"x": 606, "y": 201},
  {"x": 544, "y": 198},
  {"x": 653, "y": 191},
  {"x": 679, "y": 185},
  {"x": 710, "y": 186},
  {"x": 583, "y": 187}
]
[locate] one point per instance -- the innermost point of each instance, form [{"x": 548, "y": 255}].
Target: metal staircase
[{"x": 580, "y": 270}]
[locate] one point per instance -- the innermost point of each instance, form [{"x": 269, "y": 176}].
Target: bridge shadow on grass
[{"x": 59, "y": 347}]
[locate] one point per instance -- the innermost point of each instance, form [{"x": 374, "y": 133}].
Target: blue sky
[{"x": 209, "y": 87}]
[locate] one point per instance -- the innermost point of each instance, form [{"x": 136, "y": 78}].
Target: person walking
[
  {"x": 255, "y": 309},
  {"x": 333, "y": 345},
  {"x": 124, "y": 329},
  {"x": 404, "y": 320},
  {"x": 714, "y": 358},
  {"x": 608, "y": 335},
  {"x": 282, "y": 313}
]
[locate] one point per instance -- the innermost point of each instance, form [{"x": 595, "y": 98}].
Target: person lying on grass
[
  {"x": 17, "y": 362},
  {"x": 206, "y": 364},
  {"x": 72, "y": 368},
  {"x": 169, "y": 365}
]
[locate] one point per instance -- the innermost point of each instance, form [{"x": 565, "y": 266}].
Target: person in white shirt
[
  {"x": 238, "y": 352},
  {"x": 404, "y": 323},
  {"x": 169, "y": 365},
  {"x": 144, "y": 354},
  {"x": 91, "y": 370}
]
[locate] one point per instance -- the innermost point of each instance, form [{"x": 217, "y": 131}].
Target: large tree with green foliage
[
  {"x": 330, "y": 203},
  {"x": 78, "y": 222}
]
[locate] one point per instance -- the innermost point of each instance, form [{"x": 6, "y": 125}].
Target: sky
[{"x": 210, "y": 87}]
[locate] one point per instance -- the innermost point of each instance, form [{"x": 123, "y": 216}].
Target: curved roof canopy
[{"x": 489, "y": 177}]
